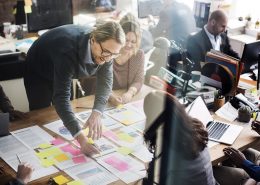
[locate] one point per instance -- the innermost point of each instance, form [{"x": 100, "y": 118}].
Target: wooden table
[
  {"x": 246, "y": 139},
  {"x": 47, "y": 115}
]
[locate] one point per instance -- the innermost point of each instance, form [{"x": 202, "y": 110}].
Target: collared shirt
[
  {"x": 88, "y": 57},
  {"x": 215, "y": 40}
]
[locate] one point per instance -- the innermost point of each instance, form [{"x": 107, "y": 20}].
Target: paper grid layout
[
  {"x": 126, "y": 114},
  {"x": 124, "y": 136},
  {"x": 91, "y": 173},
  {"x": 32, "y": 136},
  {"x": 124, "y": 167},
  {"x": 30, "y": 157},
  {"x": 59, "y": 128},
  {"x": 107, "y": 121}
]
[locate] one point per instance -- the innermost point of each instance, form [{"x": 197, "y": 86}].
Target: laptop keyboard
[{"x": 217, "y": 129}]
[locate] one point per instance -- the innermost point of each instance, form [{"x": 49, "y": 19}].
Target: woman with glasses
[
  {"x": 69, "y": 52},
  {"x": 128, "y": 67}
]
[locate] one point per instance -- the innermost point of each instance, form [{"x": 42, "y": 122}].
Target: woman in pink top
[{"x": 128, "y": 68}]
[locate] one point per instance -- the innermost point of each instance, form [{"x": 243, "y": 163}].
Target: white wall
[{"x": 15, "y": 90}]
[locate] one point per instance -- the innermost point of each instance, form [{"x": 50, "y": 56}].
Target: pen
[{"x": 18, "y": 159}]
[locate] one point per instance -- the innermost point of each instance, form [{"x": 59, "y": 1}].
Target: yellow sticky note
[
  {"x": 85, "y": 131},
  {"x": 125, "y": 150},
  {"x": 47, "y": 162},
  {"x": 90, "y": 141},
  {"x": 125, "y": 137},
  {"x": 60, "y": 179},
  {"x": 127, "y": 113},
  {"x": 120, "y": 106},
  {"x": 126, "y": 122},
  {"x": 14, "y": 11},
  {"x": 48, "y": 152},
  {"x": 78, "y": 182},
  {"x": 27, "y": 9},
  {"x": 28, "y": 2},
  {"x": 61, "y": 157},
  {"x": 44, "y": 145}
]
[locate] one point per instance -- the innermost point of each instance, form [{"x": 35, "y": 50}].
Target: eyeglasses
[{"x": 106, "y": 53}]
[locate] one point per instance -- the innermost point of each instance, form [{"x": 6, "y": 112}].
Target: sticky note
[
  {"x": 57, "y": 141},
  {"x": 110, "y": 134},
  {"x": 48, "y": 153},
  {"x": 125, "y": 150},
  {"x": 77, "y": 182},
  {"x": 60, "y": 179},
  {"x": 69, "y": 148},
  {"x": 44, "y": 145},
  {"x": 28, "y": 2},
  {"x": 79, "y": 159},
  {"x": 27, "y": 9},
  {"x": 61, "y": 157},
  {"x": 117, "y": 163},
  {"x": 90, "y": 141},
  {"x": 14, "y": 11},
  {"x": 125, "y": 137},
  {"x": 120, "y": 106},
  {"x": 47, "y": 162},
  {"x": 126, "y": 122}
]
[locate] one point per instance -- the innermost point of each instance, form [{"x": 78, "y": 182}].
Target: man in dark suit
[
  {"x": 212, "y": 36},
  {"x": 72, "y": 52}
]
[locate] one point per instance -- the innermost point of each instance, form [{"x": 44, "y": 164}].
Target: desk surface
[
  {"x": 246, "y": 139},
  {"x": 47, "y": 115}
]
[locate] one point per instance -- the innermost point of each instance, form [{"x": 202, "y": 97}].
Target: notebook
[
  {"x": 218, "y": 130},
  {"x": 4, "y": 124}
]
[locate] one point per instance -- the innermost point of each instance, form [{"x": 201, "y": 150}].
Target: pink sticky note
[
  {"x": 69, "y": 148},
  {"x": 79, "y": 159},
  {"x": 110, "y": 134},
  {"x": 117, "y": 163},
  {"x": 57, "y": 141}
]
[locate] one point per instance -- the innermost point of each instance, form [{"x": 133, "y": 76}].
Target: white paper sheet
[
  {"x": 91, "y": 173},
  {"x": 10, "y": 146},
  {"x": 32, "y": 136},
  {"x": 59, "y": 128},
  {"x": 124, "y": 167},
  {"x": 227, "y": 112},
  {"x": 30, "y": 157}
]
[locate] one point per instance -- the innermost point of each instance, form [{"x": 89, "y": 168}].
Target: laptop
[
  {"x": 4, "y": 124},
  {"x": 218, "y": 131}
]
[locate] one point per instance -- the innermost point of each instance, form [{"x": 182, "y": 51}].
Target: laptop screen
[{"x": 199, "y": 110}]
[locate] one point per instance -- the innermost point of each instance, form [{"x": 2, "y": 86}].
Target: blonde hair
[
  {"x": 130, "y": 23},
  {"x": 109, "y": 30}
]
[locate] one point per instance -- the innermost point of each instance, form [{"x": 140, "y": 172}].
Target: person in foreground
[
  {"x": 23, "y": 175},
  {"x": 242, "y": 168},
  {"x": 188, "y": 161},
  {"x": 6, "y": 106},
  {"x": 212, "y": 36},
  {"x": 68, "y": 52},
  {"x": 128, "y": 68}
]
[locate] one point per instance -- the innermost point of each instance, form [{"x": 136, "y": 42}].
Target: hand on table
[
  {"x": 86, "y": 148},
  {"x": 256, "y": 126},
  {"x": 15, "y": 114},
  {"x": 127, "y": 97},
  {"x": 235, "y": 155},
  {"x": 115, "y": 100},
  {"x": 24, "y": 172},
  {"x": 94, "y": 124}
]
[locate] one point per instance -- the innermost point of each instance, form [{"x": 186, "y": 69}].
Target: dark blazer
[
  {"x": 58, "y": 56},
  {"x": 199, "y": 44}
]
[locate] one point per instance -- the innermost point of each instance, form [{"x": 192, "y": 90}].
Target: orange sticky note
[
  {"x": 61, "y": 157},
  {"x": 28, "y": 2}
]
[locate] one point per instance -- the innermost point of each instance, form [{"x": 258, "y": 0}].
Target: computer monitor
[
  {"x": 49, "y": 14},
  {"x": 250, "y": 55}
]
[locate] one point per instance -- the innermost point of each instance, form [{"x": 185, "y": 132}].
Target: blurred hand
[
  {"x": 24, "y": 172},
  {"x": 115, "y": 100},
  {"x": 127, "y": 97},
  {"x": 235, "y": 155},
  {"x": 256, "y": 126},
  {"x": 95, "y": 126},
  {"x": 15, "y": 114},
  {"x": 85, "y": 147}
]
